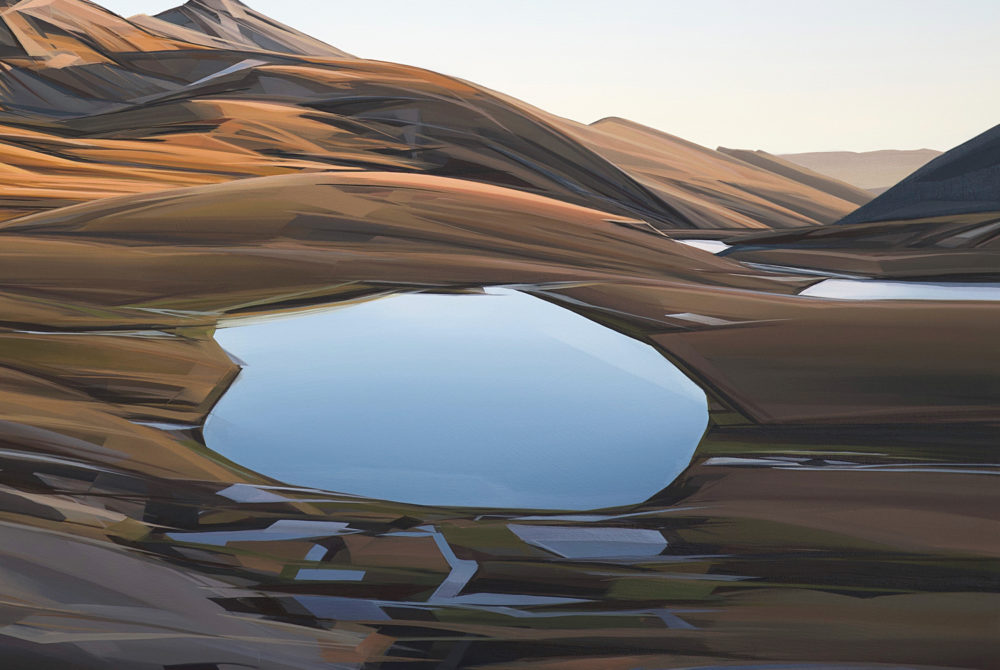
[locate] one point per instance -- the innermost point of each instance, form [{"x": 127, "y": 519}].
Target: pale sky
[{"x": 780, "y": 75}]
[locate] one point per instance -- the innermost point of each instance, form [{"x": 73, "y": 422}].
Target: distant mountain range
[
  {"x": 816, "y": 179},
  {"x": 874, "y": 171}
]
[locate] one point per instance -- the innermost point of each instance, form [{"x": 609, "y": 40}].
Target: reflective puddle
[
  {"x": 711, "y": 246},
  {"x": 872, "y": 289},
  {"x": 497, "y": 400}
]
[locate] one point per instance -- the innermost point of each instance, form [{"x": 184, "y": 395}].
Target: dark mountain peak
[
  {"x": 230, "y": 7},
  {"x": 961, "y": 181},
  {"x": 237, "y": 25}
]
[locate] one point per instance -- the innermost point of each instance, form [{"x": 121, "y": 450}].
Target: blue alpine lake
[{"x": 495, "y": 400}]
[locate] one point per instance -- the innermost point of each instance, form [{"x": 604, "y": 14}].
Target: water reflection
[
  {"x": 498, "y": 400},
  {"x": 871, "y": 289}
]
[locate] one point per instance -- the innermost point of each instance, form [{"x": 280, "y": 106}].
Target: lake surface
[{"x": 496, "y": 400}]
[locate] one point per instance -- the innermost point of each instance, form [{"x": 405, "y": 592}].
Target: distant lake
[{"x": 496, "y": 400}]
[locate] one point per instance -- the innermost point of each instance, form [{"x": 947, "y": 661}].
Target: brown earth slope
[
  {"x": 780, "y": 166},
  {"x": 837, "y": 512},
  {"x": 94, "y": 105}
]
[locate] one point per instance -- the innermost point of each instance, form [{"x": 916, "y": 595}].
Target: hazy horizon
[{"x": 779, "y": 76}]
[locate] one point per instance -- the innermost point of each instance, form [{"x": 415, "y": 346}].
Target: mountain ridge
[
  {"x": 785, "y": 168},
  {"x": 237, "y": 24},
  {"x": 132, "y": 105},
  {"x": 873, "y": 171}
]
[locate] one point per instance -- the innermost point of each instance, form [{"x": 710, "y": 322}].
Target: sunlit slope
[{"x": 94, "y": 105}]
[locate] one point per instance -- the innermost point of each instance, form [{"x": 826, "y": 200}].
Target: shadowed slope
[
  {"x": 962, "y": 181},
  {"x": 942, "y": 222},
  {"x": 954, "y": 247}
]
